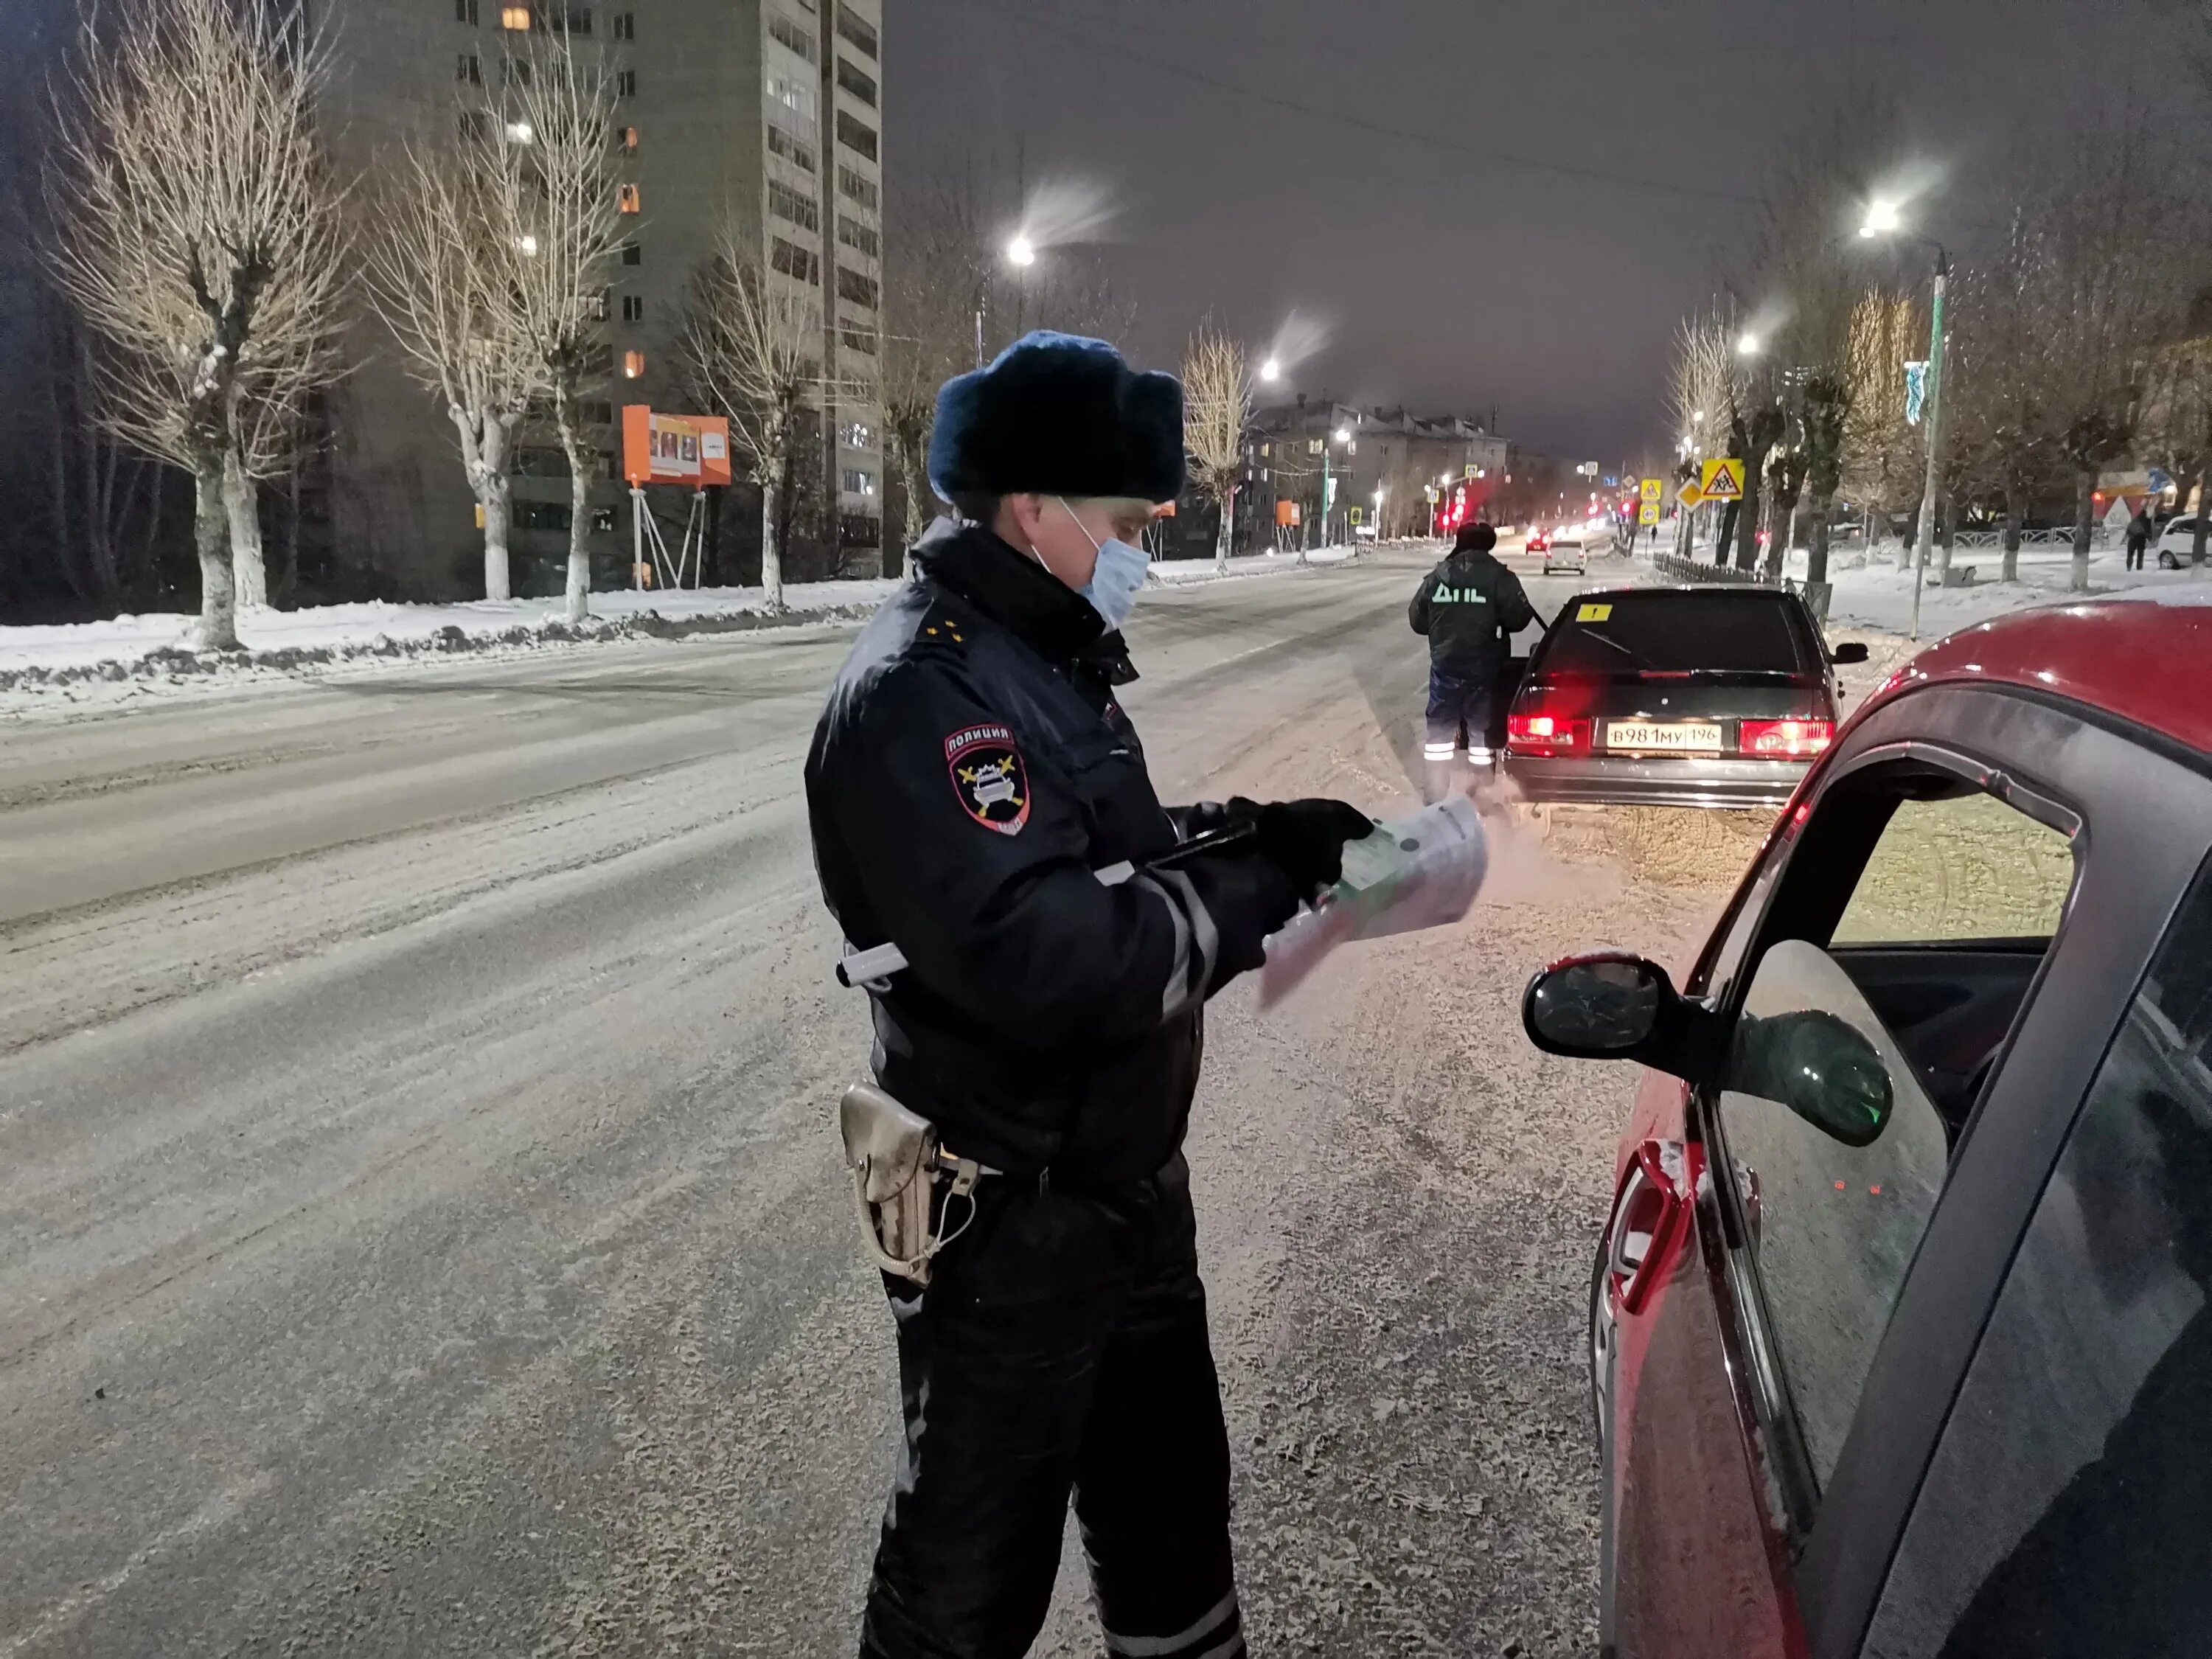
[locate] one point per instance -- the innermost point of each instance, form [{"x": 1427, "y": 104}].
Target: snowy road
[{"x": 420, "y": 1230}]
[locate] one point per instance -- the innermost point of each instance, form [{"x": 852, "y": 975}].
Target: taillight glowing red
[
  {"x": 1545, "y": 734},
  {"x": 1785, "y": 740}
]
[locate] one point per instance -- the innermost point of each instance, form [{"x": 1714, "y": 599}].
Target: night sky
[{"x": 1457, "y": 272}]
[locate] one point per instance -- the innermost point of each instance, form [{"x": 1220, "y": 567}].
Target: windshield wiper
[{"x": 1633, "y": 655}]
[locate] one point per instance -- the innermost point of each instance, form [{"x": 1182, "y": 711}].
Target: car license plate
[{"x": 1663, "y": 736}]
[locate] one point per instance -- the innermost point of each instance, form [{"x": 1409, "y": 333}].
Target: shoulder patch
[{"x": 988, "y": 777}]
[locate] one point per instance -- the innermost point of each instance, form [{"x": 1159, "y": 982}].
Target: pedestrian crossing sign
[
  {"x": 1722, "y": 481},
  {"x": 1652, "y": 489}
]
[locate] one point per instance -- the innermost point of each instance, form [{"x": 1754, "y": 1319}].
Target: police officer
[
  {"x": 1470, "y": 606},
  {"x": 972, "y": 771}
]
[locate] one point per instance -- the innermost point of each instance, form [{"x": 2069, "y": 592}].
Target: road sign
[
  {"x": 2160, "y": 480},
  {"x": 1588, "y": 469},
  {"x": 1472, "y": 468},
  {"x": 1647, "y": 512},
  {"x": 1610, "y": 480},
  {"x": 1653, "y": 490},
  {"x": 1721, "y": 481},
  {"x": 1355, "y": 515},
  {"x": 1689, "y": 495}
]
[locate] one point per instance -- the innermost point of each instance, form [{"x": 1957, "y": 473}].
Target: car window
[
  {"x": 1836, "y": 1225},
  {"x": 1969, "y": 867},
  {"x": 2068, "y": 1505},
  {"x": 1617, "y": 632},
  {"x": 1915, "y": 912}
]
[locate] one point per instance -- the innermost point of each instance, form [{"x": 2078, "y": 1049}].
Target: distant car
[
  {"x": 1566, "y": 555},
  {"x": 1675, "y": 696},
  {"x": 1901, "y": 1321},
  {"x": 1538, "y": 542},
  {"x": 2176, "y": 542}
]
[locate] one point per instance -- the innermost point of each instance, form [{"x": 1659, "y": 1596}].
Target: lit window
[
  {"x": 856, "y": 435},
  {"x": 629, "y": 137},
  {"x": 857, "y": 482},
  {"x": 629, "y": 198},
  {"x": 515, "y": 18},
  {"x": 632, "y": 364},
  {"x": 519, "y": 132},
  {"x": 528, "y": 244}
]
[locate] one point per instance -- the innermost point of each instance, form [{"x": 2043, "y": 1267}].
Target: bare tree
[
  {"x": 1999, "y": 389},
  {"x": 200, "y": 236},
  {"x": 446, "y": 274},
  {"x": 1216, "y": 411},
  {"x": 2106, "y": 290},
  {"x": 570, "y": 220},
  {"x": 749, "y": 341},
  {"x": 1703, "y": 389},
  {"x": 933, "y": 279}
]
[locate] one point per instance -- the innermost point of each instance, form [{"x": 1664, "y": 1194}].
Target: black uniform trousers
[{"x": 1059, "y": 1347}]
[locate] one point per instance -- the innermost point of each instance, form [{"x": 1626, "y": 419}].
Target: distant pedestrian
[{"x": 2138, "y": 540}]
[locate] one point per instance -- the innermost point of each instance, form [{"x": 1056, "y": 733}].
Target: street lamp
[
  {"x": 1271, "y": 370},
  {"x": 1882, "y": 220},
  {"x": 1021, "y": 252},
  {"x": 1749, "y": 345}
]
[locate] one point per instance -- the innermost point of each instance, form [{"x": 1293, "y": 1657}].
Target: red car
[
  {"x": 1901, "y": 1324},
  {"x": 1538, "y": 542}
]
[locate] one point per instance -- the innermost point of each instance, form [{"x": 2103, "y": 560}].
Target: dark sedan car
[
  {"x": 1901, "y": 1324},
  {"x": 1675, "y": 696}
]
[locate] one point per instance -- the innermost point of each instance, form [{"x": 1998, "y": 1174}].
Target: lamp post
[
  {"x": 1021, "y": 254},
  {"x": 1882, "y": 220}
]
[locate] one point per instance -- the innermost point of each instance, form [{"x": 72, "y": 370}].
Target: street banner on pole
[
  {"x": 1916, "y": 392},
  {"x": 1721, "y": 481}
]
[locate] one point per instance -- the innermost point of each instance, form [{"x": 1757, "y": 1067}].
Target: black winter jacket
[
  {"x": 1470, "y": 606},
  {"x": 970, "y": 772}
]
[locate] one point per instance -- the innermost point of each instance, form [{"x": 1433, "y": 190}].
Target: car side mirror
[
  {"x": 1612, "y": 1005},
  {"x": 1849, "y": 651},
  {"x": 1819, "y": 1066}
]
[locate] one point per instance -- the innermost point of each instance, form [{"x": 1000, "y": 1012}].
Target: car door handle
[{"x": 1648, "y": 1217}]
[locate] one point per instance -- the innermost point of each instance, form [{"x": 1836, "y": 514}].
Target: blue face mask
[{"x": 1116, "y": 579}]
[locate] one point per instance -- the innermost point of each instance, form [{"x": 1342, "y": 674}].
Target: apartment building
[{"x": 766, "y": 114}]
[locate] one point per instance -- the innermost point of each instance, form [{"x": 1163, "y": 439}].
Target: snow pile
[
  {"x": 1179, "y": 571},
  {"x": 333, "y": 632},
  {"x": 1880, "y": 595}
]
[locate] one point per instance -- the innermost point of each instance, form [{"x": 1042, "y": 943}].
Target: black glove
[
  {"x": 1306, "y": 837},
  {"x": 1248, "y": 896},
  {"x": 1199, "y": 818}
]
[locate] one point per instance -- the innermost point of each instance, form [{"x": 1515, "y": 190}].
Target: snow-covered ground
[
  {"x": 338, "y": 628},
  {"x": 1878, "y": 594},
  {"x": 277, "y": 641}
]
